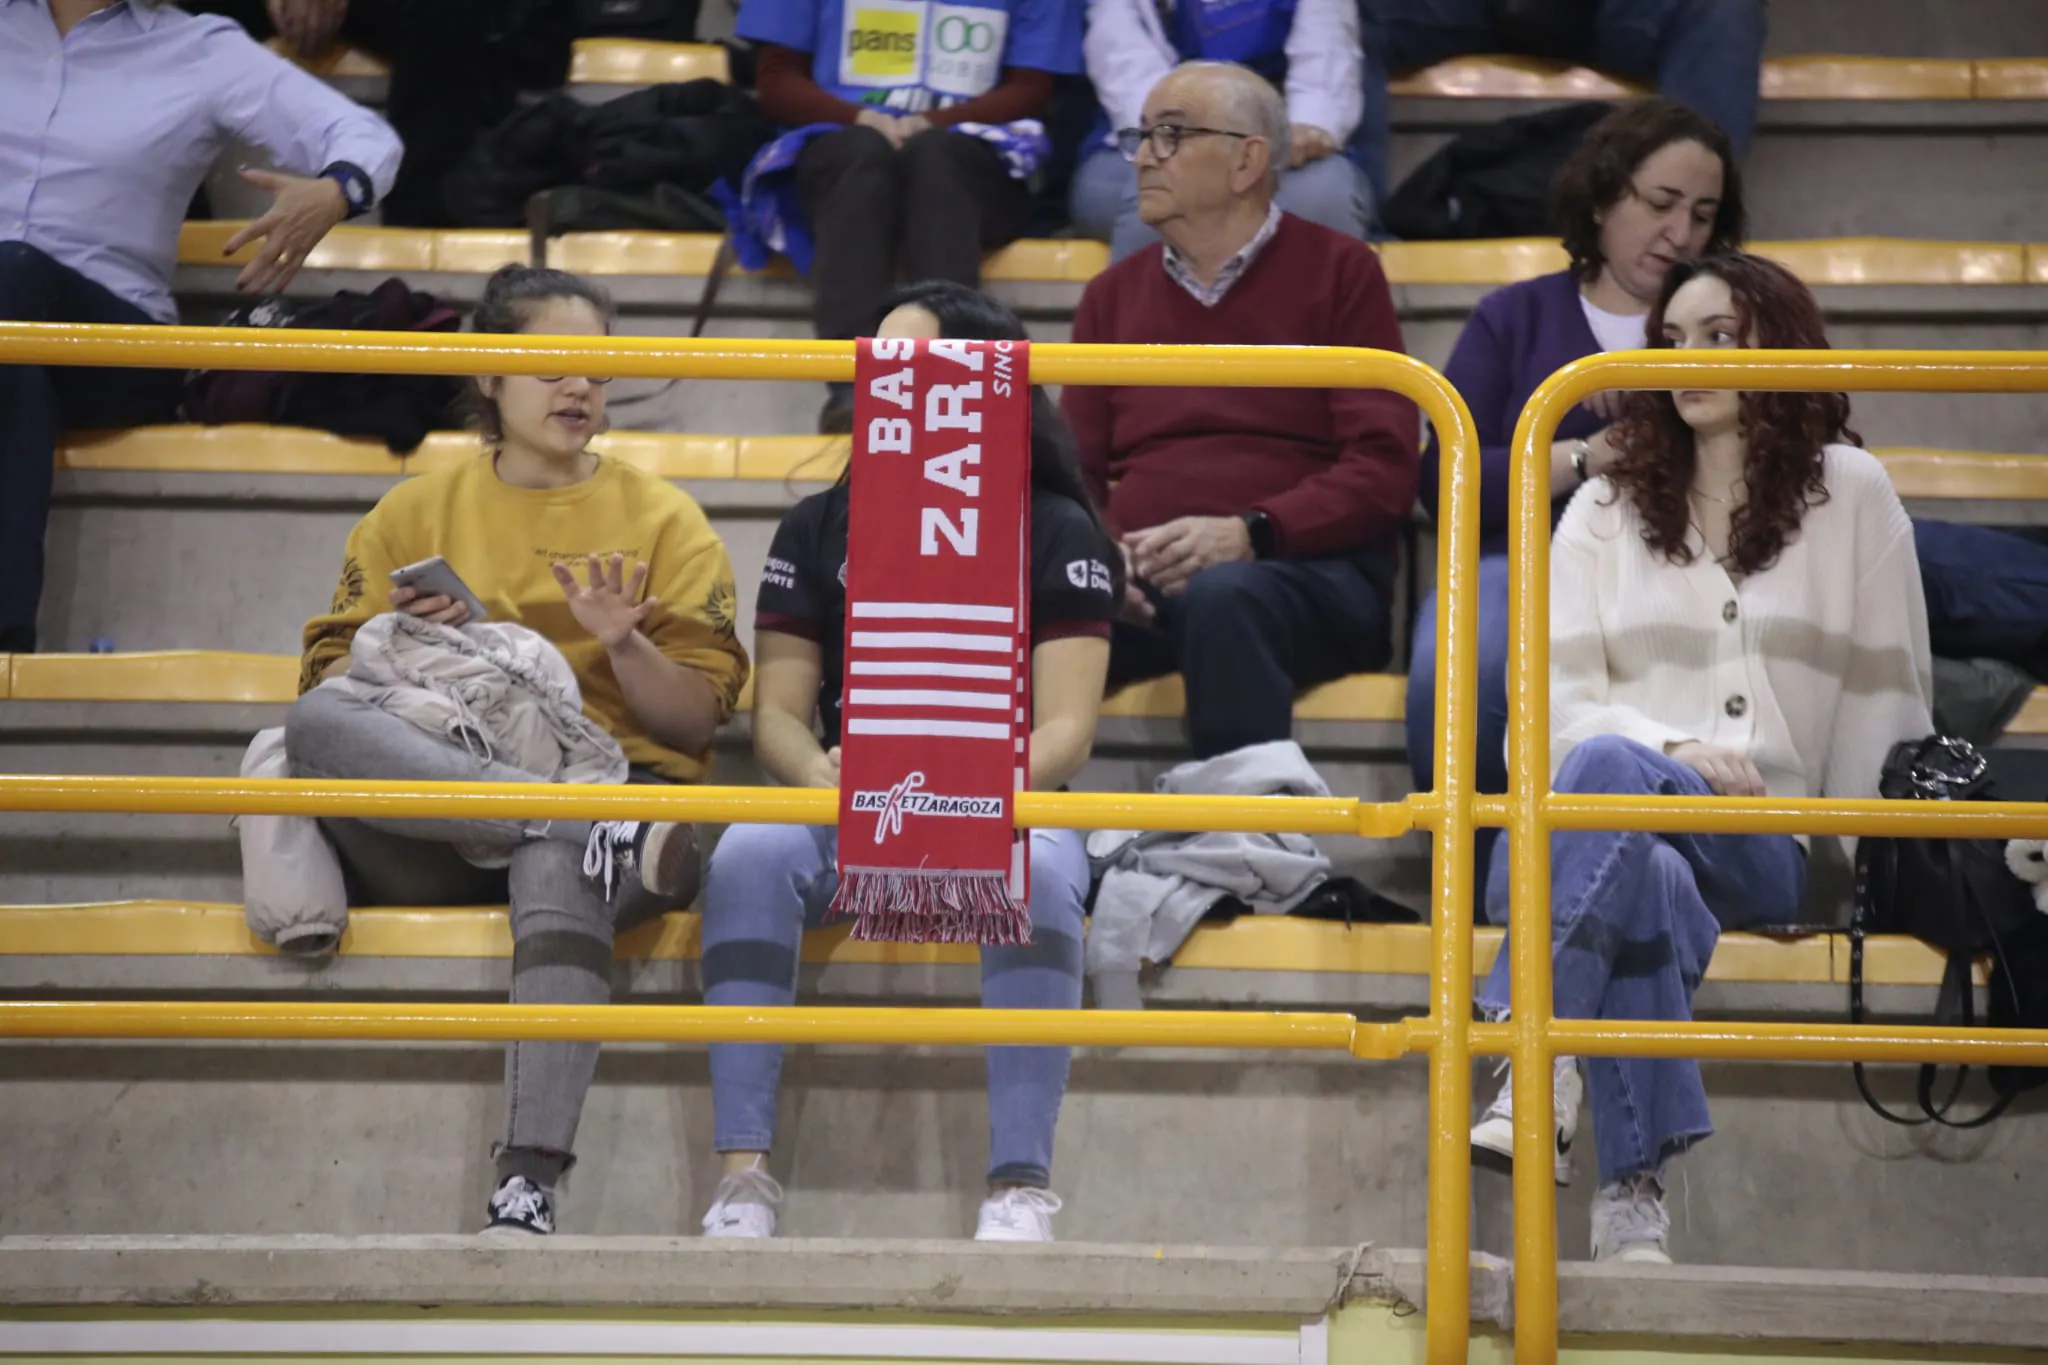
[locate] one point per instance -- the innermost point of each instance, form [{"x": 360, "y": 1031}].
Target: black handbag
[{"x": 1959, "y": 896}]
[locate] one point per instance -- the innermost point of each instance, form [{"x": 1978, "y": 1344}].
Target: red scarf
[{"x": 936, "y": 722}]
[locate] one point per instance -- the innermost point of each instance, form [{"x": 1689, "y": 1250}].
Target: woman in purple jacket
[{"x": 1651, "y": 185}]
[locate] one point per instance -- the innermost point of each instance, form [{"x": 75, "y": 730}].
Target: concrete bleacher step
[
  {"x": 1903, "y": 28},
  {"x": 1155, "y": 1147},
  {"x": 1198, "y": 1305},
  {"x": 1832, "y": 133},
  {"x": 1877, "y": 292},
  {"x": 179, "y": 946},
  {"x": 144, "y": 517}
]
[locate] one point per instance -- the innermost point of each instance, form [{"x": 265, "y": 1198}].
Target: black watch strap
[
  {"x": 1259, "y": 527},
  {"x": 357, "y": 190}
]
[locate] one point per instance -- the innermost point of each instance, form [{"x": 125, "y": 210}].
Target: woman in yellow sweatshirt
[{"x": 622, "y": 573}]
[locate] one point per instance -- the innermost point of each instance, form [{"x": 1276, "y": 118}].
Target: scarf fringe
[{"x": 914, "y": 905}]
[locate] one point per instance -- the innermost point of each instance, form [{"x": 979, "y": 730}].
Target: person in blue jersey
[
  {"x": 919, "y": 131},
  {"x": 1308, "y": 49}
]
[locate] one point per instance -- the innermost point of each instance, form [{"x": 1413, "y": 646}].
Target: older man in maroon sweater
[{"x": 1259, "y": 525}]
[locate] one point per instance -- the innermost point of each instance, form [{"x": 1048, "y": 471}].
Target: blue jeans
[
  {"x": 1706, "y": 54},
  {"x": 1492, "y": 769},
  {"x": 767, "y": 882},
  {"x": 1634, "y": 920},
  {"x": 1330, "y": 191}
]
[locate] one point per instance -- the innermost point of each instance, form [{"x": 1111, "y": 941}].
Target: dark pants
[
  {"x": 1706, "y": 54},
  {"x": 1987, "y": 593},
  {"x": 935, "y": 206},
  {"x": 496, "y": 50},
  {"x": 38, "y": 401},
  {"x": 1247, "y": 637}
]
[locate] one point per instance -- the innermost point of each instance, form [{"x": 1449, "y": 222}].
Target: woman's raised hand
[{"x": 609, "y": 605}]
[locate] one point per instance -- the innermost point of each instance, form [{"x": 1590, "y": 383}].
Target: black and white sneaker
[
  {"x": 520, "y": 1206},
  {"x": 661, "y": 853}
]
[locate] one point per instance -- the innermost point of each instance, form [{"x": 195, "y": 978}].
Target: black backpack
[
  {"x": 1960, "y": 896},
  {"x": 684, "y": 136},
  {"x": 1493, "y": 181},
  {"x": 399, "y": 409}
]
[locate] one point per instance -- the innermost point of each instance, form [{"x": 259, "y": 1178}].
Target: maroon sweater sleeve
[
  {"x": 1364, "y": 497},
  {"x": 1023, "y": 93},
  {"x": 787, "y": 95},
  {"x": 1086, "y": 406}
]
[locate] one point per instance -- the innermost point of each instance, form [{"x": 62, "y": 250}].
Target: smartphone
[{"x": 433, "y": 578}]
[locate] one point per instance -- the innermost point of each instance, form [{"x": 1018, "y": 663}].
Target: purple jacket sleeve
[{"x": 1480, "y": 369}]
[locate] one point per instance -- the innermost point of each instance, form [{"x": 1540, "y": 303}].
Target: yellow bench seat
[
  {"x": 1814, "y": 76},
  {"x": 199, "y": 676},
  {"x": 167, "y": 928},
  {"x": 1844, "y": 261},
  {"x": 1916, "y": 472},
  {"x": 1819, "y": 76},
  {"x": 1811, "y": 77}
]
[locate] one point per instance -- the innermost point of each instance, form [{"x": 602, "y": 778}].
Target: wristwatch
[
  {"x": 356, "y": 190},
  {"x": 1259, "y": 527},
  {"x": 1582, "y": 452}
]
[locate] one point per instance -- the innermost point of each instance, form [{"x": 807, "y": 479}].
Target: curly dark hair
[
  {"x": 1786, "y": 432},
  {"x": 1600, "y": 172}
]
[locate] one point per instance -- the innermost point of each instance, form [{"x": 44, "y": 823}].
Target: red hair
[{"x": 1786, "y": 432}]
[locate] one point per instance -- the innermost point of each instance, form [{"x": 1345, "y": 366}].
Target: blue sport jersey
[{"x": 912, "y": 55}]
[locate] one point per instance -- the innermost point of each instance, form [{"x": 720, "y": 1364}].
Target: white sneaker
[
  {"x": 744, "y": 1205},
  {"x": 1017, "y": 1214},
  {"x": 1493, "y": 1138},
  {"x": 1629, "y": 1221}
]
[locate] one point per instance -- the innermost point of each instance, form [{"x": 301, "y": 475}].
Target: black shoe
[
  {"x": 519, "y": 1205},
  {"x": 836, "y": 417},
  {"x": 661, "y": 852}
]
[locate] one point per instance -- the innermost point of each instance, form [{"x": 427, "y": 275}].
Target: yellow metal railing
[
  {"x": 1531, "y": 811},
  {"x": 1446, "y": 811}
]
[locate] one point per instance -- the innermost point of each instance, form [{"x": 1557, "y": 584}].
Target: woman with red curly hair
[{"x": 1735, "y": 610}]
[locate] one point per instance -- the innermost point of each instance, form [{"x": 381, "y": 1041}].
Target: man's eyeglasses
[
  {"x": 591, "y": 380},
  {"x": 1165, "y": 138}
]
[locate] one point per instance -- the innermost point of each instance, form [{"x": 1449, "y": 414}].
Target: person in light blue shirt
[
  {"x": 917, "y": 122},
  {"x": 1308, "y": 50},
  {"x": 111, "y": 113}
]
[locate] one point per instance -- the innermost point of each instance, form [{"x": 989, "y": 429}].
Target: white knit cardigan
[{"x": 1814, "y": 667}]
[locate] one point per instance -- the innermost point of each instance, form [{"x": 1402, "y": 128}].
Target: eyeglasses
[
  {"x": 1165, "y": 138},
  {"x": 588, "y": 379}
]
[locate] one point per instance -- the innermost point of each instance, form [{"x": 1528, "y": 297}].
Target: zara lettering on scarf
[{"x": 936, "y": 718}]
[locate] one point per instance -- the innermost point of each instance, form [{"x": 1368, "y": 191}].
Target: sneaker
[
  {"x": 1017, "y": 1214},
  {"x": 520, "y": 1206},
  {"x": 1493, "y": 1138},
  {"x": 744, "y": 1205},
  {"x": 663, "y": 853},
  {"x": 1629, "y": 1221}
]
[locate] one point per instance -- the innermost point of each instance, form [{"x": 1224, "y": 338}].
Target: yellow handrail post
[
  {"x": 1535, "y": 1201},
  {"x": 1533, "y": 812},
  {"x": 1447, "y": 811},
  {"x": 1447, "y": 1284}
]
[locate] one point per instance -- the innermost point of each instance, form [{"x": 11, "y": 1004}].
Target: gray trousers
[{"x": 562, "y": 926}]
